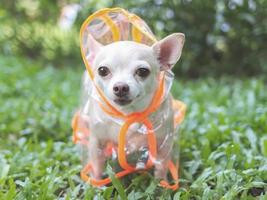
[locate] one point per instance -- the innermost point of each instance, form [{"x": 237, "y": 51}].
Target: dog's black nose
[{"x": 121, "y": 89}]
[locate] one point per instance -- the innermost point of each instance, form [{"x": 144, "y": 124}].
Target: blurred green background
[
  {"x": 221, "y": 77},
  {"x": 222, "y": 37}
]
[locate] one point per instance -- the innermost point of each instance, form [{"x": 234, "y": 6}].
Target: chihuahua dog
[{"x": 128, "y": 72}]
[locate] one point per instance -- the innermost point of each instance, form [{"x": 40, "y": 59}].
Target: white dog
[{"x": 127, "y": 72}]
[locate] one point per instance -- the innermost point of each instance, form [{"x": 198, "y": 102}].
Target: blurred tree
[{"x": 221, "y": 36}]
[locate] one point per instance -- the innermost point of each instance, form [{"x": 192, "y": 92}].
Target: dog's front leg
[
  {"x": 163, "y": 157},
  {"x": 97, "y": 157}
]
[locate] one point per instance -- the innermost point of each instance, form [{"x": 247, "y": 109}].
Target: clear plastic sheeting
[{"x": 138, "y": 145}]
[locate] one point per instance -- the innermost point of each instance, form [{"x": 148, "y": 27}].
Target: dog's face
[{"x": 128, "y": 72}]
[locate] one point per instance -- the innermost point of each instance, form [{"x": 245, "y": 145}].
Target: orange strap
[
  {"x": 174, "y": 173},
  {"x": 152, "y": 144},
  {"x": 172, "y": 168},
  {"x": 85, "y": 171},
  {"x": 80, "y": 131}
]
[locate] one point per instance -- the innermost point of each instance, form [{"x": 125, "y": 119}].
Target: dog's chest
[
  {"x": 106, "y": 127},
  {"x": 111, "y": 129}
]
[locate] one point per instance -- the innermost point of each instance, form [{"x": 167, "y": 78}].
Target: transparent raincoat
[{"x": 107, "y": 26}]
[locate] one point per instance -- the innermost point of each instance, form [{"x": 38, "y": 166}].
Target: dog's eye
[
  {"x": 103, "y": 71},
  {"x": 142, "y": 72}
]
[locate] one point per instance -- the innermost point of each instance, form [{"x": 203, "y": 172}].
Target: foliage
[
  {"x": 34, "y": 35},
  {"x": 221, "y": 36},
  {"x": 223, "y": 140}
]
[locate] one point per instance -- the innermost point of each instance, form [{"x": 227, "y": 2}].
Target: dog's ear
[
  {"x": 93, "y": 45},
  {"x": 168, "y": 50}
]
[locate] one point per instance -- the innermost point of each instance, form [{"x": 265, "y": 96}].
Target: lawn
[{"x": 223, "y": 141}]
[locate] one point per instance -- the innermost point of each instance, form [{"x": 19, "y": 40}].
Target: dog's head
[{"x": 127, "y": 72}]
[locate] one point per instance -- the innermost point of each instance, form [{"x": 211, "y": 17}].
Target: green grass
[{"x": 223, "y": 151}]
